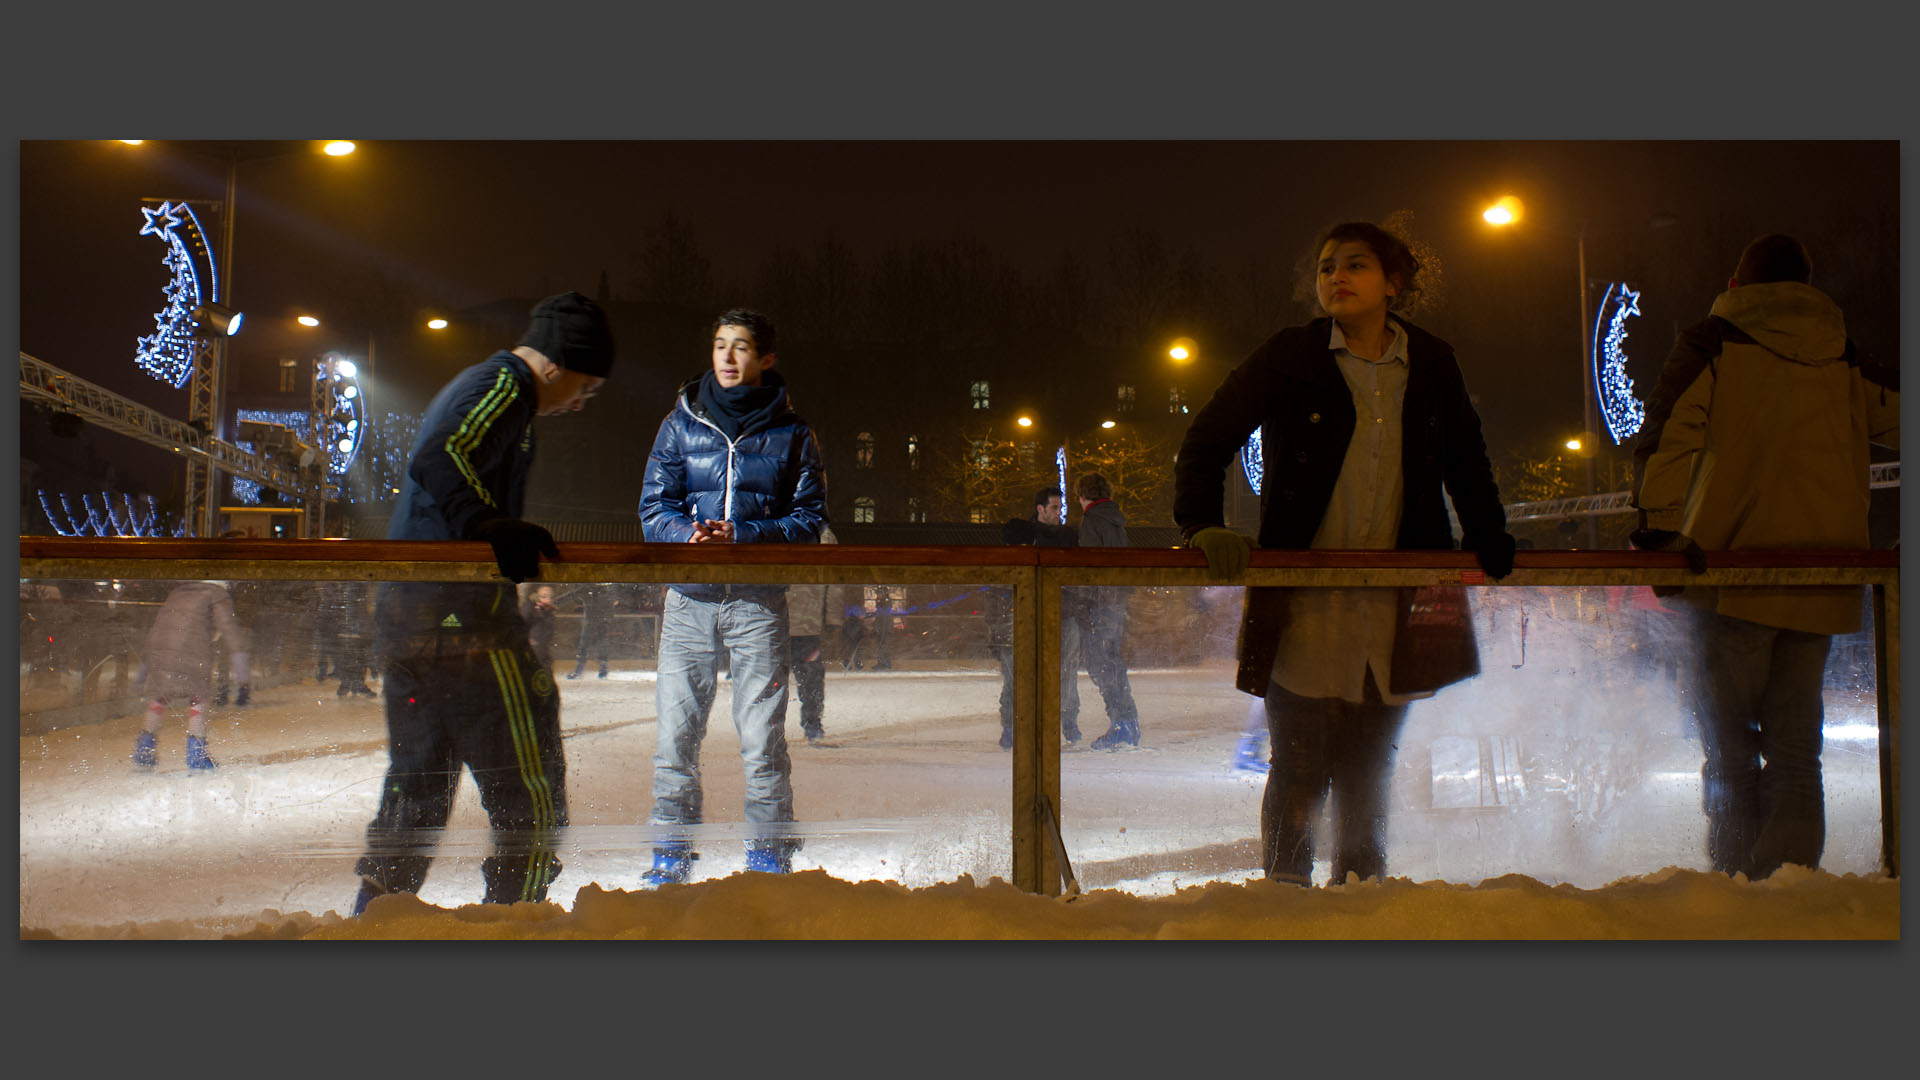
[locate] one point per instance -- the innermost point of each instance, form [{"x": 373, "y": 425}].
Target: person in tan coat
[{"x": 1756, "y": 439}]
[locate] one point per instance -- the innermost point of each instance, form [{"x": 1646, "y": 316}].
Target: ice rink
[{"x": 1562, "y": 766}]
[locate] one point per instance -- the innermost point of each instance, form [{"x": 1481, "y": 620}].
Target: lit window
[
  {"x": 914, "y": 512},
  {"x": 1174, "y": 402},
  {"x": 863, "y": 450},
  {"x": 977, "y": 515},
  {"x": 863, "y": 510},
  {"x": 1026, "y": 455},
  {"x": 913, "y": 452},
  {"x": 289, "y": 376},
  {"x": 980, "y": 394},
  {"x": 1125, "y": 403}
]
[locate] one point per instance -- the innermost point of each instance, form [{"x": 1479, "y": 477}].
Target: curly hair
[
  {"x": 1093, "y": 486},
  {"x": 1412, "y": 264}
]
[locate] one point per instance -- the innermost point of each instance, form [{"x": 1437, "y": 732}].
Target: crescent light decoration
[
  {"x": 168, "y": 353},
  {"x": 1623, "y": 412}
]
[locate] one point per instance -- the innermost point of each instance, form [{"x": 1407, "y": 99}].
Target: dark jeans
[
  {"x": 593, "y": 640},
  {"x": 809, "y": 681},
  {"x": 1323, "y": 745},
  {"x": 1760, "y": 730},
  {"x": 494, "y": 711},
  {"x": 1069, "y": 679},
  {"x": 1103, "y": 630}
]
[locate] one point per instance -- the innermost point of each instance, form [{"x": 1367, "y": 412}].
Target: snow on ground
[{"x": 1575, "y": 815}]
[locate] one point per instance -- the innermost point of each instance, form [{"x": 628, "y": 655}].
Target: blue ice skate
[
  {"x": 671, "y": 866},
  {"x": 197, "y": 753},
  {"x": 145, "y": 754},
  {"x": 769, "y": 859}
]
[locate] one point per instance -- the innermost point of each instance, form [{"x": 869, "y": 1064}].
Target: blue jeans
[
  {"x": 753, "y": 630},
  {"x": 1760, "y": 730}
]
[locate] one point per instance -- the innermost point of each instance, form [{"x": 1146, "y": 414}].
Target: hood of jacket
[{"x": 1793, "y": 321}]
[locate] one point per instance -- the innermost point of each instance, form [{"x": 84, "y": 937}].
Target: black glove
[
  {"x": 1668, "y": 540},
  {"x": 245, "y": 695},
  {"x": 1495, "y": 554},
  {"x": 517, "y": 546}
]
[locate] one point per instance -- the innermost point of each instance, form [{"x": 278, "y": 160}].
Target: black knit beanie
[{"x": 571, "y": 331}]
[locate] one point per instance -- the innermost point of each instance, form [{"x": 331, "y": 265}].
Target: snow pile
[{"x": 1672, "y": 904}]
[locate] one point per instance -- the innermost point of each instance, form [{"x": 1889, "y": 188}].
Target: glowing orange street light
[
  {"x": 307, "y": 320},
  {"x": 1574, "y": 445},
  {"x": 1505, "y": 212},
  {"x": 338, "y": 148},
  {"x": 1025, "y": 421},
  {"x": 1183, "y": 350},
  {"x": 1106, "y": 423},
  {"x": 436, "y": 324}
]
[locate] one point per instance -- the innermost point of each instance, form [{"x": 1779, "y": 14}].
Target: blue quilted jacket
[{"x": 769, "y": 482}]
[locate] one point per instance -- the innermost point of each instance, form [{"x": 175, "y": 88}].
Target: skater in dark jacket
[
  {"x": 1102, "y": 616},
  {"x": 463, "y": 687}
]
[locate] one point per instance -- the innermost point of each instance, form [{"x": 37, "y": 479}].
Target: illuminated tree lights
[
  {"x": 1060, "y": 462},
  {"x": 168, "y": 353},
  {"x": 1623, "y": 412},
  {"x": 1250, "y": 461},
  {"x": 107, "y": 521}
]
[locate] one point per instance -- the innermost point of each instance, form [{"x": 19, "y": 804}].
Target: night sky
[{"x": 456, "y": 224}]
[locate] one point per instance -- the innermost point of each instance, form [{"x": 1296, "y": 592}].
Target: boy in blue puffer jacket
[{"x": 732, "y": 464}]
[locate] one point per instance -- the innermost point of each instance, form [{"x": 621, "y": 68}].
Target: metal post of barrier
[
  {"x": 1030, "y": 856},
  {"x": 1886, "y": 662}
]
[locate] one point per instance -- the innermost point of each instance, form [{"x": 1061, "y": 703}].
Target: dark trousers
[
  {"x": 1760, "y": 728},
  {"x": 494, "y": 711},
  {"x": 809, "y": 680},
  {"x": 593, "y": 641},
  {"x": 1069, "y": 679},
  {"x": 1325, "y": 746},
  {"x": 1103, "y": 629}
]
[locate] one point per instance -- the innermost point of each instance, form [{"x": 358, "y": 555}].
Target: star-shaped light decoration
[{"x": 160, "y": 219}]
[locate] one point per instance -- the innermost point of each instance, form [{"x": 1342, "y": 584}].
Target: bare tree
[{"x": 670, "y": 268}]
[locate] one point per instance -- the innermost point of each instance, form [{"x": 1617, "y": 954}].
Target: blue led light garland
[
  {"x": 106, "y": 522},
  {"x": 1622, "y": 411},
  {"x": 1250, "y": 461}
]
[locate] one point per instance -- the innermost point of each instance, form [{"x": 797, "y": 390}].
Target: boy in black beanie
[{"x": 462, "y": 685}]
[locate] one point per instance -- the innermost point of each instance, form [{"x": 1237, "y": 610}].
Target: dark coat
[{"x": 1292, "y": 390}]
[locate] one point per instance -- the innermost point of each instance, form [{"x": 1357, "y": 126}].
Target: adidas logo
[{"x": 452, "y": 621}]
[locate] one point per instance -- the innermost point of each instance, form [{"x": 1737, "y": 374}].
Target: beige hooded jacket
[{"x": 1765, "y": 445}]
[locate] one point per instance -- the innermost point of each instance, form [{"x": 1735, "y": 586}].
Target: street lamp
[
  {"x": 1509, "y": 211},
  {"x": 206, "y": 403},
  {"x": 436, "y": 324}
]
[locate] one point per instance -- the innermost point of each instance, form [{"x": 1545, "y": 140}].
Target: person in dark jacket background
[
  {"x": 537, "y": 610},
  {"x": 733, "y": 463},
  {"x": 1044, "y": 528},
  {"x": 596, "y": 621},
  {"x": 463, "y": 687},
  {"x": 1365, "y": 419},
  {"x": 1102, "y": 616}
]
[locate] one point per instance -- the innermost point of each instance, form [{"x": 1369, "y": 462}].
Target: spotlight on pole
[{"x": 223, "y": 319}]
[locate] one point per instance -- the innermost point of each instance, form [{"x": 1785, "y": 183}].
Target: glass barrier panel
[
  {"x": 268, "y": 703},
  {"x": 1574, "y": 755}
]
